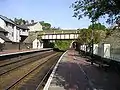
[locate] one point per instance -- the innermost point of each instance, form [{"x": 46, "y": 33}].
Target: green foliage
[
  {"x": 39, "y": 35},
  {"x": 85, "y": 36},
  {"x": 46, "y": 26},
  {"x": 62, "y": 44},
  {"x": 97, "y": 26},
  {"x": 108, "y": 33},
  {"x": 19, "y": 21},
  {"x": 51, "y": 45},
  {"x": 95, "y": 9}
]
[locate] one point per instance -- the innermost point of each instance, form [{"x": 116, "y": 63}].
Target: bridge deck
[{"x": 72, "y": 72}]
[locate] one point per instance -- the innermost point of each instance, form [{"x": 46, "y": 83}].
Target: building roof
[
  {"x": 12, "y": 22},
  {"x": 30, "y": 38},
  {"x": 7, "y": 20},
  {"x": 23, "y": 27},
  {"x": 4, "y": 38},
  {"x": 31, "y": 24},
  {"x": 3, "y": 30}
]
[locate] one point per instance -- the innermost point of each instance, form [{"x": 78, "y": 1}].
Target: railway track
[
  {"x": 31, "y": 70},
  {"x": 5, "y": 68},
  {"x": 44, "y": 79},
  {"x": 35, "y": 83},
  {"x": 19, "y": 58}
]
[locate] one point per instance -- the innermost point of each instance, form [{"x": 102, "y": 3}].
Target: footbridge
[
  {"x": 60, "y": 34},
  {"x": 48, "y": 36}
]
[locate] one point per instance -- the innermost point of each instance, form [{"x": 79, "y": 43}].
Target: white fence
[{"x": 102, "y": 50}]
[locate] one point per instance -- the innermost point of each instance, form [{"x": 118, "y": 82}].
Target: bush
[{"x": 62, "y": 44}]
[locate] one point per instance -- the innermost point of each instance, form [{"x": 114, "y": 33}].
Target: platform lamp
[
  {"x": 92, "y": 42},
  {"x": 92, "y": 36}
]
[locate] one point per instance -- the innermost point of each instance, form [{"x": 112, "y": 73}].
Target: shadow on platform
[{"x": 70, "y": 76}]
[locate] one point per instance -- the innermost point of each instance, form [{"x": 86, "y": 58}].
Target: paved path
[{"x": 74, "y": 73}]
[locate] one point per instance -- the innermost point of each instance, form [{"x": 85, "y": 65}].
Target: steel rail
[
  {"x": 17, "y": 61},
  {"x": 31, "y": 61},
  {"x": 51, "y": 68},
  {"x": 18, "y": 80}
]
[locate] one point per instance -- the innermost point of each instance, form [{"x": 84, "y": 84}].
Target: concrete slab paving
[{"x": 75, "y": 73}]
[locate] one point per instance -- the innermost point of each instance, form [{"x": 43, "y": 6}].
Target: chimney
[
  {"x": 27, "y": 22},
  {"x": 32, "y": 21}
]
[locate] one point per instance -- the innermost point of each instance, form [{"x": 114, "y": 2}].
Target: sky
[{"x": 56, "y": 12}]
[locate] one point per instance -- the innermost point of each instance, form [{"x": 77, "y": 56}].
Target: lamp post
[
  {"x": 92, "y": 36},
  {"x": 92, "y": 42}
]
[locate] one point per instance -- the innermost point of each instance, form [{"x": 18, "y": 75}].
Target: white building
[
  {"x": 32, "y": 39},
  {"x": 15, "y": 32},
  {"x": 33, "y": 27},
  {"x": 23, "y": 32},
  {"x": 3, "y": 37},
  {"x": 37, "y": 44}
]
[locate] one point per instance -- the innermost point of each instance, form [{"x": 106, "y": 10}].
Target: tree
[
  {"x": 85, "y": 36},
  {"x": 19, "y": 21},
  {"x": 95, "y": 9},
  {"x": 97, "y": 26},
  {"x": 46, "y": 26},
  {"x": 62, "y": 44}
]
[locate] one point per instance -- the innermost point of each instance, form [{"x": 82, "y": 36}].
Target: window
[
  {"x": 12, "y": 34},
  {"x": 18, "y": 28},
  {"x": 6, "y": 24},
  {"x": 23, "y": 30},
  {"x": 13, "y": 26},
  {"x": 6, "y": 34}
]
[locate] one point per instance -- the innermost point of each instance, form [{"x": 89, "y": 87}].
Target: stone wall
[{"x": 15, "y": 46}]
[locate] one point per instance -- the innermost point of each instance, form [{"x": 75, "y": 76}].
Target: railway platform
[
  {"x": 73, "y": 72},
  {"x": 14, "y": 52}
]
